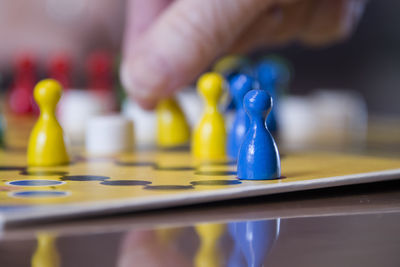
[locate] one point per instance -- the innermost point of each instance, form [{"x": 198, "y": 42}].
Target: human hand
[{"x": 168, "y": 43}]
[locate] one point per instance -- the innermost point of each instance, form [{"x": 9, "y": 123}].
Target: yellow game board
[{"x": 157, "y": 179}]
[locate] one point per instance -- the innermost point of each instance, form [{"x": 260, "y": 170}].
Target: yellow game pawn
[
  {"x": 46, "y": 143},
  {"x": 46, "y": 254},
  {"x": 172, "y": 127},
  {"x": 208, "y": 254},
  {"x": 209, "y": 137}
]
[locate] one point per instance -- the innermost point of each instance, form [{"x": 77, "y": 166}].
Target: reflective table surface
[{"x": 344, "y": 226}]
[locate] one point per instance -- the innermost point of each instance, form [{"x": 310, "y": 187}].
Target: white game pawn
[
  {"x": 75, "y": 110},
  {"x": 107, "y": 135},
  {"x": 192, "y": 105},
  {"x": 145, "y": 123}
]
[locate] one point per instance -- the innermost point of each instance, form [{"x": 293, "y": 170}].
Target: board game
[
  {"x": 152, "y": 179},
  {"x": 79, "y": 184}
]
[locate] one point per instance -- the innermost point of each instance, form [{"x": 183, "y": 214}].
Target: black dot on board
[
  {"x": 84, "y": 178},
  {"x": 77, "y": 159},
  {"x": 168, "y": 187},
  {"x": 135, "y": 163},
  {"x": 216, "y": 182},
  {"x": 11, "y": 168},
  {"x": 125, "y": 182},
  {"x": 219, "y": 163},
  {"x": 215, "y": 173},
  {"x": 174, "y": 168},
  {"x": 43, "y": 173}
]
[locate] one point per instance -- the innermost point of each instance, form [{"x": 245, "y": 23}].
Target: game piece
[
  {"x": 46, "y": 143},
  {"x": 76, "y": 107},
  {"x": 109, "y": 135},
  {"x": 46, "y": 254},
  {"x": 258, "y": 155},
  {"x": 144, "y": 121},
  {"x": 267, "y": 75},
  {"x": 209, "y": 138},
  {"x": 297, "y": 122},
  {"x": 100, "y": 78},
  {"x": 231, "y": 65},
  {"x": 208, "y": 254},
  {"x": 239, "y": 85},
  {"x": 172, "y": 127},
  {"x": 256, "y": 239},
  {"x": 60, "y": 70},
  {"x": 191, "y": 104},
  {"x": 99, "y": 70},
  {"x": 20, "y": 98},
  {"x": 341, "y": 120},
  {"x": 284, "y": 69}
]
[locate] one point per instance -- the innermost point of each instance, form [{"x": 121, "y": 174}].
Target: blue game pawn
[
  {"x": 256, "y": 239},
  {"x": 239, "y": 85},
  {"x": 258, "y": 155},
  {"x": 267, "y": 73}
]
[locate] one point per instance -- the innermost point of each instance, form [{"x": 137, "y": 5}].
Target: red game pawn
[
  {"x": 100, "y": 77},
  {"x": 99, "y": 70},
  {"x": 60, "y": 70},
  {"x": 21, "y": 95}
]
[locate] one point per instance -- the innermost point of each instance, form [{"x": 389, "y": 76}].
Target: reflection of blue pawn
[
  {"x": 236, "y": 258},
  {"x": 256, "y": 239},
  {"x": 239, "y": 85},
  {"x": 258, "y": 156},
  {"x": 267, "y": 74}
]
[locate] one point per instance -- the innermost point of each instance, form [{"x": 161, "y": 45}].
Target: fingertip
[
  {"x": 147, "y": 104},
  {"x": 144, "y": 102},
  {"x": 145, "y": 78}
]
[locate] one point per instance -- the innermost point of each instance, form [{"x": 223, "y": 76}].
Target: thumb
[{"x": 181, "y": 43}]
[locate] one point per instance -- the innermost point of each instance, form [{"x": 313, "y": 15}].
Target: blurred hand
[{"x": 168, "y": 43}]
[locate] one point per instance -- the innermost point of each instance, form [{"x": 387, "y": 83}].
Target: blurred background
[{"x": 369, "y": 61}]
